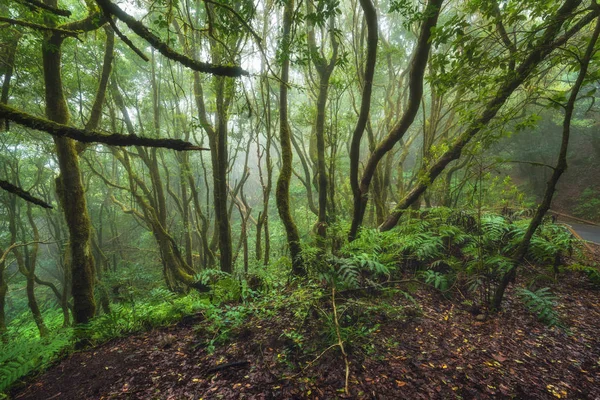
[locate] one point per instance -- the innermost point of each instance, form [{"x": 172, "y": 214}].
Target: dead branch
[{"x": 340, "y": 341}]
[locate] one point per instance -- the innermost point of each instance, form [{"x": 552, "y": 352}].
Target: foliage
[
  {"x": 591, "y": 271},
  {"x": 27, "y": 352},
  {"x": 436, "y": 279},
  {"x": 588, "y": 204},
  {"x": 541, "y": 302}
]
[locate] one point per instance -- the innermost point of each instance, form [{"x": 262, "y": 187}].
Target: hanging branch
[
  {"x": 38, "y": 4},
  {"x": 9, "y": 187},
  {"x": 114, "y": 139},
  {"x": 139, "y": 28}
]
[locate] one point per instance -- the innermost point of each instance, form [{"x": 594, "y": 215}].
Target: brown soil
[{"x": 441, "y": 352}]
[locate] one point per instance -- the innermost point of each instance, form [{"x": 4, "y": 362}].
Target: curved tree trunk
[
  {"x": 547, "y": 43},
  {"x": 561, "y": 167},
  {"x": 417, "y": 72},
  {"x": 282, "y": 191},
  {"x": 365, "y": 107}
]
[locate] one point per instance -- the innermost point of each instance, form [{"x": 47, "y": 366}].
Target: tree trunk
[
  {"x": 9, "y": 65},
  {"x": 417, "y": 72},
  {"x": 561, "y": 167},
  {"x": 3, "y": 291},
  {"x": 365, "y": 107},
  {"x": 547, "y": 43},
  {"x": 69, "y": 184},
  {"x": 282, "y": 191}
]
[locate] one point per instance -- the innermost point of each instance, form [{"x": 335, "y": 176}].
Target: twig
[
  {"x": 312, "y": 362},
  {"x": 340, "y": 341},
  {"x": 228, "y": 365}
]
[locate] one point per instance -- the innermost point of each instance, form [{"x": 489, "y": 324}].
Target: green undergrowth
[
  {"x": 26, "y": 352},
  {"x": 460, "y": 255}
]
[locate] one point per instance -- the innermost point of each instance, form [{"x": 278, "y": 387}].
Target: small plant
[
  {"x": 541, "y": 302},
  {"x": 436, "y": 279},
  {"x": 592, "y": 272}
]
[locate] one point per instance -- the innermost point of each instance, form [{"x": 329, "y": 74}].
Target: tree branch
[
  {"x": 43, "y": 6},
  {"x": 9, "y": 187},
  {"x": 15, "y": 245},
  {"x": 39, "y": 27},
  {"x": 223, "y": 70},
  {"x": 81, "y": 135}
]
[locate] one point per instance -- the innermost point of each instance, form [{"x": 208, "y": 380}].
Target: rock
[{"x": 481, "y": 317}]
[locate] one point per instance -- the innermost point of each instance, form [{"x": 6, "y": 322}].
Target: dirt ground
[{"x": 440, "y": 352}]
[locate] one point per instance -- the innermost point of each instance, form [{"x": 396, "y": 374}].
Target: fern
[
  {"x": 436, "y": 279},
  {"x": 541, "y": 302},
  {"x": 24, "y": 355},
  {"x": 494, "y": 228},
  {"x": 592, "y": 272},
  {"x": 161, "y": 295},
  {"x": 349, "y": 273},
  {"x": 371, "y": 263}
]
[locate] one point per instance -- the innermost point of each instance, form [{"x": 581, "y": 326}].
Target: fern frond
[{"x": 541, "y": 302}]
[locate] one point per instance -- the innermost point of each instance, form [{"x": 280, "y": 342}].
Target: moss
[{"x": 282, "y": 191}]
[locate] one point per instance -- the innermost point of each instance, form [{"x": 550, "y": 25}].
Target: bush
[{"x": 588, "y": 204}]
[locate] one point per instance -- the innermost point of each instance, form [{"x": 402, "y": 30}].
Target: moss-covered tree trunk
[
  {"x": 282, "y": 191},
  {"x": 69, "y": 185},
  {"x": 3, "y": 291},
  {"x": 220, "y": 171}
]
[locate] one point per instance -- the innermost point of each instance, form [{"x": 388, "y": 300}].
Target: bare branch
[
  {"x": 82, "y": 135},
  {"x": 223, "y": 70},
  {"x": 9, "y": 187},
  {"x": 15, "y": 245}
]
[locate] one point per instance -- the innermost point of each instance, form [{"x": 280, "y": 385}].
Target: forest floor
[{"x": 443, "y": 351}]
